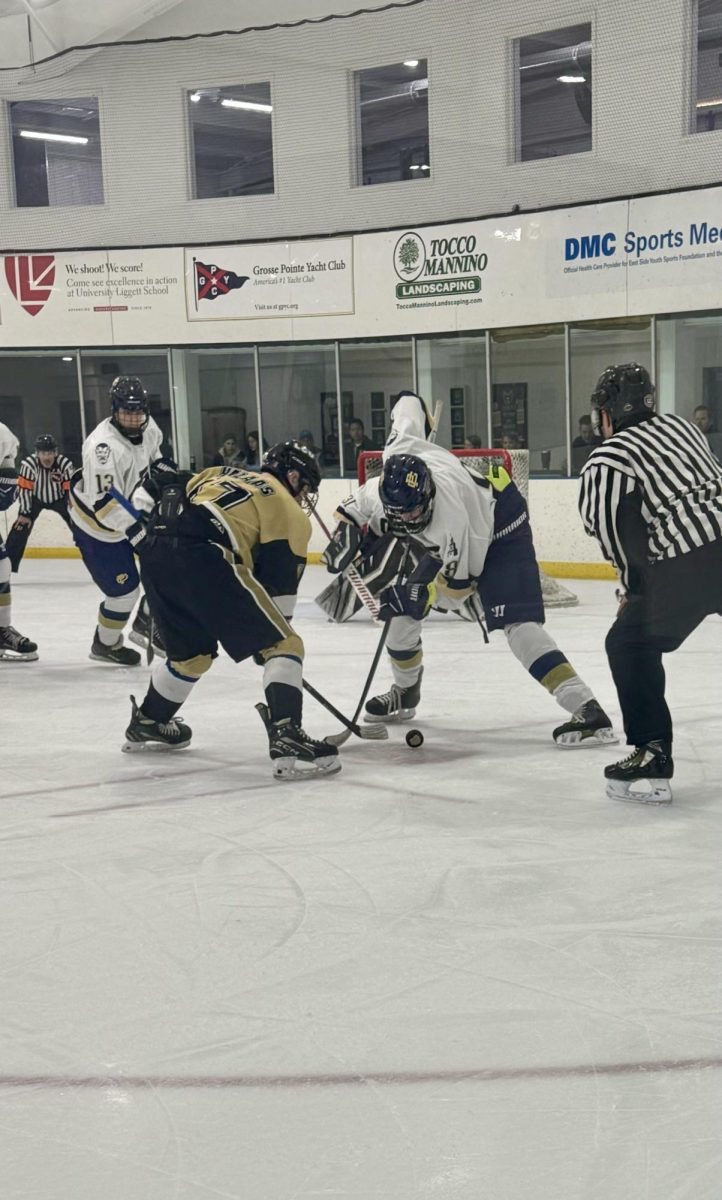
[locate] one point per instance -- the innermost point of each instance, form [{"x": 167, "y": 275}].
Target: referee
[
  {"x": 651, "y": 495},
  {"x": 43, "y": 483}
]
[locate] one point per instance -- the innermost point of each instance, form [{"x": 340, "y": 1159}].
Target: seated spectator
[
  {"x": 229, "y": 454},
  {"x": 472, "y": 442},
  {"x": 702, "y": 418},
  {"x": 584, "y": 443},
  {"x": 355, "y": 444},
  {"x": 252, "y": 455}
]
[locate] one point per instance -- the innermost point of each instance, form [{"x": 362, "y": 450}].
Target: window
[
  {"x": 298, "y": 399},
  {"x": 56, "y": 152},
  {"x": 689, "y": 370},
  {"x": 39, "y": 394},
  {"x": 100, "y": 367},
  {"x": 528, "y": 395},
  {"x": 223, "y": 413},
  {"x": 554, "y": 93},
  {"x": 392, "y": 122},
  {"x": 372, "y": 375},
  {"x": 232, "y": 140},
  {"x": 707, "y": 96},
  {"x": 452, "y": 369},
  {"x": 595, "y": 345}
]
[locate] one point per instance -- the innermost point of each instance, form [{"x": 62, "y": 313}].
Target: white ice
[{"x": 456, "y": 973}]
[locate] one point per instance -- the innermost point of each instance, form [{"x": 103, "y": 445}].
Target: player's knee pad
[
  {"x": 281, "y": 668},
  {"x": 529, "y": 641},
  {"x": 288, "y": 647},
  {"x": 191, "y": 669},
  {"x": 407, "y": 660}
]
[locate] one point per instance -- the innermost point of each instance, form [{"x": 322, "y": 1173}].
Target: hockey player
[
  {"x": 651, "y": 494},
  {"x": 13, "y": 645},
  {"x": 43, "y": 484},
  {"x": 116, "y": 457},
  {"x": 479, "y": 528},
  {"x": 224, "y": 553}
]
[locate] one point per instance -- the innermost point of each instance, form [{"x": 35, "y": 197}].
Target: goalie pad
[{"x": 379, "y": 567}]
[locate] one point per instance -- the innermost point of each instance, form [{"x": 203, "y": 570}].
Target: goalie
[{"x": 478, "y": 527}]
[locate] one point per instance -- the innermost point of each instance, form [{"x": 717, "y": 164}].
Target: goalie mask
[
  {"x": 128, "y": 396},
  {"x": 407, "y": 494},
  {"x": 291, "y": 456},
  {"x": 626, "y": 393}
]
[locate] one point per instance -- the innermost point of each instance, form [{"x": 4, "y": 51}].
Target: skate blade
[
  {"x": 135, "y": 747},
  {"x": 402, "y": 714},
  {"x": 640, "y": 791},
  {"x": 285, "y": 769},
  {"x": 139, "y": 639},
  {"x": 575, "y": 739},
  {"x": 108, "y": 662},
  {"x": 8, "y": 656}
]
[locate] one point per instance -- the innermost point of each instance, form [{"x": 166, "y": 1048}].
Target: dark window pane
[
  {"x": 555, "y": 93},
  {"x": 708, "y": 98},
  {"x": 56, "y": 152},
  {"x": 393, "y": 122},
  {"x": 232, "y": 138}
]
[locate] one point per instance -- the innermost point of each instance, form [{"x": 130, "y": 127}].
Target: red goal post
[{"x": 370, "y": 464}]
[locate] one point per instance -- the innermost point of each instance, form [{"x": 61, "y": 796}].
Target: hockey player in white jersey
[
  {"x": 116, "y": 457},
  {"x": 479, "y": 529},
  {"x": 13, "y": 645}
]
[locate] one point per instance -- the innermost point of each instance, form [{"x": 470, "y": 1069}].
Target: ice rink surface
[{"x": 455, "y": 973}]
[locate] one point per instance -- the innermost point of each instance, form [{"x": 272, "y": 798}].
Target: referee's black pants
[
  {"x": 678, "y": 593},
  {"x": 17, "y": 539}
]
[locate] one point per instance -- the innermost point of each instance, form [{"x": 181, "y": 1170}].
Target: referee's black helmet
[{"x": 626, "y": 393}]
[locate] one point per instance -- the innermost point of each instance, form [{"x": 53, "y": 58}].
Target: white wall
[
  {"x": 558, "y": 533},
  {"x": 641, "y": 111}
]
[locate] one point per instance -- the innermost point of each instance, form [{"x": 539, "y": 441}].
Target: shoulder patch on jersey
[{"x": 102, "y": 452}]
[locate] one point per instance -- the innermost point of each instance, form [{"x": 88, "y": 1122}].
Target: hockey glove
[
  {"x": 414, "y": 598},
  {"x": 342, "y": 548}
]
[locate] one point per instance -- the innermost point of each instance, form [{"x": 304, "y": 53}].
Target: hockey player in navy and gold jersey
[{"x": 224, "y": 553}]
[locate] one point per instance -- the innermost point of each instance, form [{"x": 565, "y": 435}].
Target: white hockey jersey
[
  {"x": 462, "y": 519},
  {"x": 110, "y": 460},
  {"x": 8, "y": 446}
]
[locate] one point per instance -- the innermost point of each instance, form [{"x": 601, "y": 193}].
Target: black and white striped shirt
[
  {"x": 46, "y": 484},
  {"x": 652, "y": 491}
]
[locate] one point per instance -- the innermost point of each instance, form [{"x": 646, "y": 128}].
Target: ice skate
[
  {"x": 589, "y": 726},
  {"x": 398, "y": 704},
  {"x": 117, "y": 655},
  {"x": 145, "y": 734},
  {"x": 643, "y": 776},
  {"x": 16, "y": 648},
  {"x": 144, "y": 627},
  {"x": 294, "y": 754}
]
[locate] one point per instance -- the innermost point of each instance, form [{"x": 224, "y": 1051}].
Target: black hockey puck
[{"x": 414, "y": 739}]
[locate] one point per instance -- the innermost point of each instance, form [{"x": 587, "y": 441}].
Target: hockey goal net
[{"x": 516, "y": 462}]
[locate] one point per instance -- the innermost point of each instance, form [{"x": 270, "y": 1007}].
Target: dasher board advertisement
[{"x": 276, "y": 279}]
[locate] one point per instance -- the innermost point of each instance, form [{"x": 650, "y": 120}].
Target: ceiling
[{"x": 60, "y": 24}]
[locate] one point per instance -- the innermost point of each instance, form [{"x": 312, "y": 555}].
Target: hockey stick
[
  {"x": 125, "y": 503},
  {"x": 365, "y": 596},
  {"x": 338, "y": 739},
  {"x": 370, "y": 733}
]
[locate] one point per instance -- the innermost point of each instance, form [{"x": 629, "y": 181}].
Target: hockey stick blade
[{"x": 369, "y": 733}]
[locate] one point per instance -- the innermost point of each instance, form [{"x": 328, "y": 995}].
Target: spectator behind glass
[
  {"x": 473, "y": 442},
  {"x": 305, "y": 438},
  {"x": 354, "y": 445},
  {"x": 702, "y": 418},
  {"x": 252, "y": 456},
  {"x": 229, "y": 454},
  {"x": 584, "y": 443}
]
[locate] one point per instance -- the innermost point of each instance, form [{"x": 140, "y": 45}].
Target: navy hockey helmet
[
  {"x": 46, "y": 442},
  {"x": 407, "y": 493},
  {"x": 292, "y": 456},
  {"x": 127, "y": 393},
  {"x": 626, "y": 393}
]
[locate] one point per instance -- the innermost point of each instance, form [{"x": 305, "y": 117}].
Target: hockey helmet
[
  {"x": 626, "y": 393},
  {"x": 46, "y": 442},
  {"x": 127, "y": 393},
  {"x": 407, "y": 493},
  {"x": 291, "y": 456}
]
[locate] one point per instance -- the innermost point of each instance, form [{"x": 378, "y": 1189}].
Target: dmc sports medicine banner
[{"x": 651, "y": 255}]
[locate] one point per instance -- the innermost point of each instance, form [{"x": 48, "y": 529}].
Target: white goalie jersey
[
  {"x": 462, "y": 519},
  {"x": 110, "y": 460}
]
